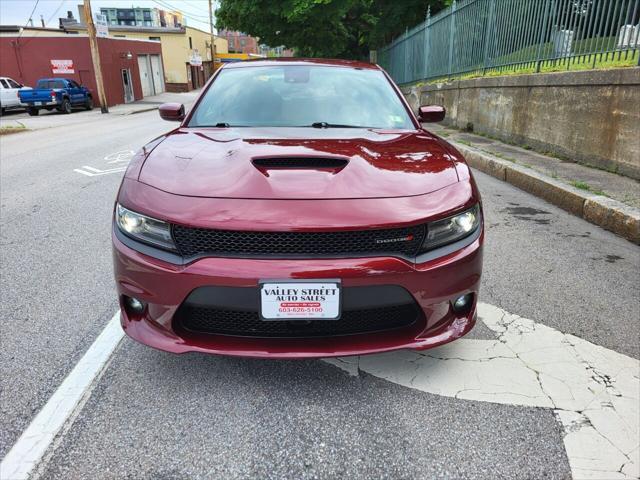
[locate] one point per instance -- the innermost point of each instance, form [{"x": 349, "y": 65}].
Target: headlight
[
  {"x": 143, "y": 228},
  {"x": 451, "y": 229}
]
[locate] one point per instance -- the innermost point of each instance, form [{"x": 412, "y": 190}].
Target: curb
[
  {"x": 141, "y": 110},
  {"x": 607, "y": 213}
]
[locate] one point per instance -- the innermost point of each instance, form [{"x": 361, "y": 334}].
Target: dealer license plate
[{"x": 303, "y": 300}]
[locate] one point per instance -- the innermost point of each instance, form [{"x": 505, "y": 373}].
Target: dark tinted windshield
[
  {"x": 50, "y": 84},
  {"x": 291, "y": 96}
]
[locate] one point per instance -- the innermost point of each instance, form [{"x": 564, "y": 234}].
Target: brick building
[
  {"x": 240, "y": 42},
  {"x": 129, "y": 67}
]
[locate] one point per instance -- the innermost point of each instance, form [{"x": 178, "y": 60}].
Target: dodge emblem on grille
[{"x": 408, "y": 238}]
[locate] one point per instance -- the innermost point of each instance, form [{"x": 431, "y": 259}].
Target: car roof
[{"x": 326, "y": 62}]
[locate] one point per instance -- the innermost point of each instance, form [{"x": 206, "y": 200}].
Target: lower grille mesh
[{"x": 249, "y": 324}]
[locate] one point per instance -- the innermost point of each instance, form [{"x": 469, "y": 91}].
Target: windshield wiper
[{"x": 333, "y": 125}]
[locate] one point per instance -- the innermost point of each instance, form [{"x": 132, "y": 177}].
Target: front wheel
[
  {"x": 33, "y": 111},
  {"x": 89, "y": 104},
  {"x": 66, "y": 106}
]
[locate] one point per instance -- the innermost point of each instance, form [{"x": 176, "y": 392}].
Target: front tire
[
  {"x": 33, "y": 111},
  {"x": 89, "y": 104}
]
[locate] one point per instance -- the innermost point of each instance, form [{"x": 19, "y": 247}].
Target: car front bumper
[{"x": 164, "y": 287}]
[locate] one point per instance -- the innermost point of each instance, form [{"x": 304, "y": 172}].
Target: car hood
[{"x": 298, "y": 163}]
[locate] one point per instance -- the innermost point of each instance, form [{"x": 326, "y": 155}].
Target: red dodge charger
[{"x": 299, "y": 210}]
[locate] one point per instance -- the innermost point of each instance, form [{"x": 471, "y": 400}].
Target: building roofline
[
  {"x": 139, "y": 29},
  {"x": 130, "y": 28},
  {"x": 18, "y": 28}
]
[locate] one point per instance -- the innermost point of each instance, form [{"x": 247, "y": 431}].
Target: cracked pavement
[
  {"x": 545, "y": 386},
  {"x": 595, "y": 392}
]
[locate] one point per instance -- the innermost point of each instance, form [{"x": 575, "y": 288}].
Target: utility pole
[
  {"x": 95, "y": 55},
  {"x": 213, "y": 38}
]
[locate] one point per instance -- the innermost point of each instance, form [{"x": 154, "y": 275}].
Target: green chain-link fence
[{"x": 480, "y": 36}]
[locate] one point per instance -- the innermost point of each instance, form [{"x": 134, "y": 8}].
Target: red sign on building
[{"x": 62, "y": 66}]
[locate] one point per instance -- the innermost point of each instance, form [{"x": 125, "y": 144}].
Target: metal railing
[{"x": 480, "y": 36}]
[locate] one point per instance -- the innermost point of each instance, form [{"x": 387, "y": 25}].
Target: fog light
[
  {"x": 134, "y": 305},
  {"x": 463, "y": 302}
]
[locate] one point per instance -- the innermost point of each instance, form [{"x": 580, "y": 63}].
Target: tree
[{"x": 324, "y": 28}]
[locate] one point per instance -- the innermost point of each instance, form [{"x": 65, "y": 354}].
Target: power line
[
  {"x": 30, "y": 17},
  {"x": 190, "y": 4},
  {"x": 192, "y": 16},
  {"x": 48, "y": 21},
  {"x": 55, "y": 12}
]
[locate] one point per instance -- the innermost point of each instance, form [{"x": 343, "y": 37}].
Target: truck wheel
[
  {"x": 89, "y": 104},
  {"x": 33, "y": 111},
  {"x": 66, "y": 106}
]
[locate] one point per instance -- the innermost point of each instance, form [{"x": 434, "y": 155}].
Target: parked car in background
[
  {"x": 9, "y": 97},
  {"x": 63, "y": 94}
]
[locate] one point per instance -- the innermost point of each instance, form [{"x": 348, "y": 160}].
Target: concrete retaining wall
[{"x": 591, "y": 117}]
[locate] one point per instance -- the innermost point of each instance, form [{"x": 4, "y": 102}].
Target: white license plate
[
  {"x": 37, "y": 103},
  {"x": 304, "y": 300}
]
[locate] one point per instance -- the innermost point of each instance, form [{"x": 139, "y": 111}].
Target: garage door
[
  {"x": 157, "y": 73},
  {"x": 145, "y": 75}
]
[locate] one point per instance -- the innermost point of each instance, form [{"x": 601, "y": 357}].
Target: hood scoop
[{"x": 300, "y": 163}]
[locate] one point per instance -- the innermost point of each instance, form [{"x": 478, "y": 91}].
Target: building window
[
  {"x": 190, "y": 44},
  {"x": 157, "y": 39}
]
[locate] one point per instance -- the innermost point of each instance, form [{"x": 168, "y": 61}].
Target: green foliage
[{"x": 324, "y": 28}]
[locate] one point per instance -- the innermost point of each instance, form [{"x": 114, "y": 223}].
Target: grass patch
[
  {"x": 610, "y": 60},
  {"x": 585, "y": 186},
  {"x": 9, "y": 129}
]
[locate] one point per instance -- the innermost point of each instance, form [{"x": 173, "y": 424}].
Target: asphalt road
[{"x": 155, "y": 415}]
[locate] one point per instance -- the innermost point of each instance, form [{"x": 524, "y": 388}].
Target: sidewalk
[
  {"x": 153, "y": 102},
  {"x": 19, "y": 120},
  {"x": 600, "y": 197}
]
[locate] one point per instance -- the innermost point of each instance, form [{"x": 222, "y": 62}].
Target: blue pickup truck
[{"x": 63, "y": 94}]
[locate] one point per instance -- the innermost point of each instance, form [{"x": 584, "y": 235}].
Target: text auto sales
[{"x": 304, "y": 294}]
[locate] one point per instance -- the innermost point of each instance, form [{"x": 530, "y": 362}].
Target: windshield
[{"x": 301, "y": 96}]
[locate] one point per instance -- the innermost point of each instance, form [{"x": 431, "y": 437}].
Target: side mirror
[
  {"x": 174, "y": 112},
  {"x": 431, "y": 113}
]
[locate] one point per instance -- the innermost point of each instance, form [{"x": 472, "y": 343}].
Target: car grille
[
  {"x": 248, "y": 324},
  {"x": 202, "y": 241}
]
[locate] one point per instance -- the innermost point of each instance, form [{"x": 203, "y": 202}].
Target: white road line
[
  {"x": 594, "y": 391},
  {"x": 99, "y": 172},
  {"x": 34, "y": 442},
  {"x": 88, "y": 174}
]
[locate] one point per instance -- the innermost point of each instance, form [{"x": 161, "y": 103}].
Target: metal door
[
  {"x": 157, "y": 73},
  {"x": 145, "y": 75}
]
